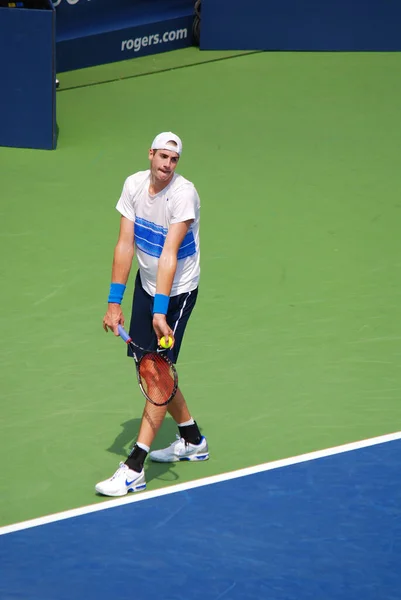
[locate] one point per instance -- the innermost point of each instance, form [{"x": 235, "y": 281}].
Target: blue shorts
[{"x": 141, "y": 328}]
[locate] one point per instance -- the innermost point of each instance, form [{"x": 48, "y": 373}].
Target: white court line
[{"x": 140, "y": 497}]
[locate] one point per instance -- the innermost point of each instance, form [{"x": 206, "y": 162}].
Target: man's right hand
[
  {"x": 161, "y": 328},
  {"x": 113, "y": 318}
]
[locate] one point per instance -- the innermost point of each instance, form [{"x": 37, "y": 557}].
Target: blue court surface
[{"x": 320, "y": 527}]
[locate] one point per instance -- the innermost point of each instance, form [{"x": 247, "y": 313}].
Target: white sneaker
[
  {"x": 181, "y": 450},
  {"x": 123, "y": 481}
]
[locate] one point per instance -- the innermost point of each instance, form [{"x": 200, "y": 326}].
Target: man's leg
[
  {"x": 130, "y": 476},
  {"x": 153, "y": 417},
  {"x": 191, "y": 445}
]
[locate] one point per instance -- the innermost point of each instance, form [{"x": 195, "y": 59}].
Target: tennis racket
[{"x": 157, "y": 376}]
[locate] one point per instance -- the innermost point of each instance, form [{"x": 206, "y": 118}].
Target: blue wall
[
  {"x": 94, "y": 32},
  {"x": 27, "y": 75},
  {"x": 319, "y": 25}
]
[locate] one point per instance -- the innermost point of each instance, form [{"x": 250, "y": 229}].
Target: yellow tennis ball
[{"x": 166, "y": 343}]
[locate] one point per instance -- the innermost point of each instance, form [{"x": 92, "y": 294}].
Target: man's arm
[
  {"x": 122, "y": 262},
  {"x": 166, "y": 271},
  {"x": 123, "y": 252},
  {"x": 168, "y": 258}
]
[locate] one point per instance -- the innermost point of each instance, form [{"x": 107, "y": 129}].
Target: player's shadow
[{"x": 126, "y": 439}]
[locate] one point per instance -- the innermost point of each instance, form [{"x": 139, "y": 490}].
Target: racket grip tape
[{"x": 123, "y": 334}]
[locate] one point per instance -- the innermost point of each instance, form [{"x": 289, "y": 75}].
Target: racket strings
[{"x": 157, "y": 378}]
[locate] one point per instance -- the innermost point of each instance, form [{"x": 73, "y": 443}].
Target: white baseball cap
[{"x": 161, "y": 142}]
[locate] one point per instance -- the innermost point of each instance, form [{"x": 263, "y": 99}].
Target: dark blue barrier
[
  {"x": 27, "y": 76},
  {"x": 311, "y": 25},
  {"x": 101, "y": 31}
]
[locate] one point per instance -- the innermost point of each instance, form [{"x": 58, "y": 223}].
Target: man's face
[{"x": 163, "y": 163}]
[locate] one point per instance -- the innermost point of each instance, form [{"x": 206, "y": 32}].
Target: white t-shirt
[{"x": 152, "y": 216}]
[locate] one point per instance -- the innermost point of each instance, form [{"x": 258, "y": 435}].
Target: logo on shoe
[{"x": 128, "y": 483}]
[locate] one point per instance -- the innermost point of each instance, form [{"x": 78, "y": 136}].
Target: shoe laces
[
  {"x": 179, "y": 439},
  {"x": 120, "y": 468}
]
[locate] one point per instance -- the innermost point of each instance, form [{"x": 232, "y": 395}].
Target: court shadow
[{"x": 126, "y": 438}]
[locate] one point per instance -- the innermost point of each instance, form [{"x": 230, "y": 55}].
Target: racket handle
[{"x": 123, "y": 334}]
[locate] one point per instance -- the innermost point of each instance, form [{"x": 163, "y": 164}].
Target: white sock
[
  {"x": 143, "y": 446},
  {"x": 190, "y": 422}
]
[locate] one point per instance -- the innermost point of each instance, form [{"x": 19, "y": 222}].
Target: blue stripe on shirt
[{"x": 150, "y": 238}]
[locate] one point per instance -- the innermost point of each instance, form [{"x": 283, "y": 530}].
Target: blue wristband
[
  {"x": 160, "y": 304},
  {"x": 116, "y": 293}
]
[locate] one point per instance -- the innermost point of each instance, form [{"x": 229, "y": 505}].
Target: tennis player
[{"x": 160, "y": 223}]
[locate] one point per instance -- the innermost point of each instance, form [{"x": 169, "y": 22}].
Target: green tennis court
[{"x": 296, "y": 339}]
